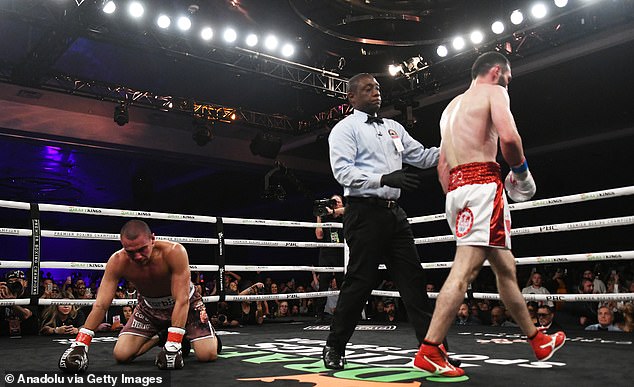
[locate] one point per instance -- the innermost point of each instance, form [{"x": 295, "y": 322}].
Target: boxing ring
[{"x": 378, "y": 354}]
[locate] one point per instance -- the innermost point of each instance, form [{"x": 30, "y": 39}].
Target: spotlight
[
  {"x": 458, "y": 43},
  {"x": 251, "y": 40},
  {"x": 184, "y": 23},
  {"x": 109, "y": 7},
  {"x": 517, "y": 17},
  {"x": 539, "y": 10},
  {"x": 442, "y": 51},
  {"x": 163, "y": 21},
  {"x": 230, "y": 35},
  {"x": 394, "y": 69},
  {"x": 561, "y": 3},
  {"x": 288, "y": 50},
  {"x": 476, "y": 37},
  {"x": 270, "y": 42},
  {"x": 121, "y": 115},
  {"x": 202, "y": 134},
  {"x": 136, "y": 9},
  {"x": 497, "y": 27},
  {"x": 207, "y": 33}
]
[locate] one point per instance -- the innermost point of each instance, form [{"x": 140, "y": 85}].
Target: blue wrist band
[{"x": 522, "y": 168}]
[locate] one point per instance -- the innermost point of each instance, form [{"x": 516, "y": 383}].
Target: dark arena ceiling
[{"x": 65, "y": 66}]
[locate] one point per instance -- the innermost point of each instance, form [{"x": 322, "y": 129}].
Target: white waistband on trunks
[{"x": 165, "y": 302}]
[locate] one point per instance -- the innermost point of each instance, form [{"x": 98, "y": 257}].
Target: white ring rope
[
  {"x": 547, "y": 259},
  {"x": 295, "y": 296},
  {"x": 109, "y": 212},
  {"x": 605, "y": 194},
  {"x": 619, "y": 255},
  {"x": 583, "y": 225},
  {"x": 530, "y": 297}
]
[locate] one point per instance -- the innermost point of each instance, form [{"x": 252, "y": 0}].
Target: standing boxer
[{"x": 476, "y": 207}]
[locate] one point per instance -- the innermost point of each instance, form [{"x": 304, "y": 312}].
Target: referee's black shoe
[{"x": 333, "y": 359}]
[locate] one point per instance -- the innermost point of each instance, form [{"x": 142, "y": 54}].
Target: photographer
[
  {"x": 328, "y": 210},
  {"x": 16, "y": 320}
]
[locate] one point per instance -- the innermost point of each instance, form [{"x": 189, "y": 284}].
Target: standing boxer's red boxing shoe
[
  {"x": 545, "y": 345},
  {"x": 432, "y": 359}
]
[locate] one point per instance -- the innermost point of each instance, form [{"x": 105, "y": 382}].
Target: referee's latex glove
[{"x": 401, "y": 179}]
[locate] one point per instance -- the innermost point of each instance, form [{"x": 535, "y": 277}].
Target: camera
[
  {"x": 15, "y": 288},
  {"x": 320, "y": 207},
  {"x": 222, "y": 318}
]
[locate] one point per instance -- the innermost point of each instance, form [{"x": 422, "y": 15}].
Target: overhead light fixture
[
  {"x": 136, "y": 9},
  {"x": 207, "y": 33},
  {"x": 517, "y": 17},
  {"x": 270, "y": 42},
  {"x": 561, "y": 3},
  {"x": 476, "y": 37},
  {"x": 458, "y": 43},
  {"x": 394, "y": 69},
  {"x": 442, "y": 51},
  {"x": 230, "y": 35},
  {"x": 497, "y": 27},
  {"x": 288, "y": 50},
  {"x": 202, "y": 133},
  {"x": 121, "y": 115},
  {"x": 109, "y": 7},
  {"x": 408, "y": 67},
  {"x": 251, "y": 40},
  {"x": 163, "y": 21},
  {"x": 183, "y": 23},
  {"x": 539, "y": 10}
]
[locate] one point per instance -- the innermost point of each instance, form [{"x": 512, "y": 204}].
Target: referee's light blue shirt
[{"x": 361, "y": 153}]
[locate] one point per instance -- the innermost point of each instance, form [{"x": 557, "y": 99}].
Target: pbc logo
[{"x": 554, "y": 298}]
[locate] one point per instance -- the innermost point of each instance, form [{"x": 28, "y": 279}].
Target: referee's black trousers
[{"x": 378, "y": 235}]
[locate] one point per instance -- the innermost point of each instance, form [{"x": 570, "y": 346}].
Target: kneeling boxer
[{"x": 167, "y": 300}]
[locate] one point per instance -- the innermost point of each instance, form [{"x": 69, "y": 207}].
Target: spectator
[
  {"x": 127, "y": 314},
  {"x": 80, "y": 291},
  {"x": 329, "y": 256},
  {"x": 131, "y": 291},
  {"x": 532, "y": 311},
  {"x": 273, "y": 305},
  {"x": 379, "y": 314},
  {"x": 283, "y": 310},
  {"x": 331, "y": 301},
  {"x": 62, "y": 320},
  {"x": 627, "y": 325},
  {"x": 113, "y": 319},
  {"x": 429, "y": 287},
  {"x": 498, "y": 317},
  {"x": 585, "y": 312},
  {"x": 50, "y": 289},
  {"x": 305, "y": 305},
  {"x": 605, "y": 318},
  {"x": 546, "y": 319},
  {"x": 536, "y": 287},
  {"x": 16, "y": 320},
  {"x": 463, "y": 317},
  {"x": 252, "y": 312},
  {"x": 598, "y": 285}
]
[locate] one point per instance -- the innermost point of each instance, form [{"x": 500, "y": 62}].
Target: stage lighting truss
[{"x": 214, "y": 112}]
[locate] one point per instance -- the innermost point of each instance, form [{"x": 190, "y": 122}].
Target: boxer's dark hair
[
  {"x": 134, "y": 228},
  {"x": 486, "y": 61}
]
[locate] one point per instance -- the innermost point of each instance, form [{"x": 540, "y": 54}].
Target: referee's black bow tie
[{"x": 373, "y": 119}]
